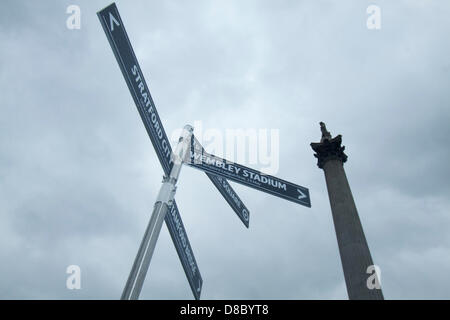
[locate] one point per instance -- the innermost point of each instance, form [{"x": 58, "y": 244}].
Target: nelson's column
[{"x": 355, "y": 255}]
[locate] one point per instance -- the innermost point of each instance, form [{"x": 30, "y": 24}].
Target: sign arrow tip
[
  {"x": 111, "y": 20},
  {"x": 301, "y": 195}
]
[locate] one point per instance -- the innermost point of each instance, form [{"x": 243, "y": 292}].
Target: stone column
[{"x": 353, "y": 248}]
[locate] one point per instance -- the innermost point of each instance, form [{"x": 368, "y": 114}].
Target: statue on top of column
[
  {"x": 328, "y": 148},
  {"x": 325, "y": 133}
]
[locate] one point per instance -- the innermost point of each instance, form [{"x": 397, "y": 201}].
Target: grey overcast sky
[{"x": 79, "y": 175}]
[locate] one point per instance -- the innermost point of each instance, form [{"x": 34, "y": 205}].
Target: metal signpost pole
[{"x": 165, "y": 198}]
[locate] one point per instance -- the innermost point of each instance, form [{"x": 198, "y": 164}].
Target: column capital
[{"x": 328, "y": 148}]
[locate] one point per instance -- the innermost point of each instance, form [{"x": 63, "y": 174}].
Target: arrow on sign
[
  {"x": 113, "y": 21},
  {"x": 302, "y": 195}
]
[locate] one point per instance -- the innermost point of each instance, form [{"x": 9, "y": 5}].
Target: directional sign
[
  {"x": 200, "y": 159},
  {"x": 184, "y": 250},
  {"x": 121, "y": 46}
]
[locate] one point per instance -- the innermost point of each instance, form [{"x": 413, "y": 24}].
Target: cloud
[{"x": 79, "y": 175}]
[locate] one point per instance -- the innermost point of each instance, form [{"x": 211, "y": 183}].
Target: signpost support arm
[{"x": 165, "y": 197}]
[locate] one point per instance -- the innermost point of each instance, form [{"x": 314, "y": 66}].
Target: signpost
[
  {"x": 115, "y": 31},
  {"x": 118, "y": 39},
  {"x": 188, "y": 151}
]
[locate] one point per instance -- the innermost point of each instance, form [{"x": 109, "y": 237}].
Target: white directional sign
[{"x": 202, "y": 160}]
